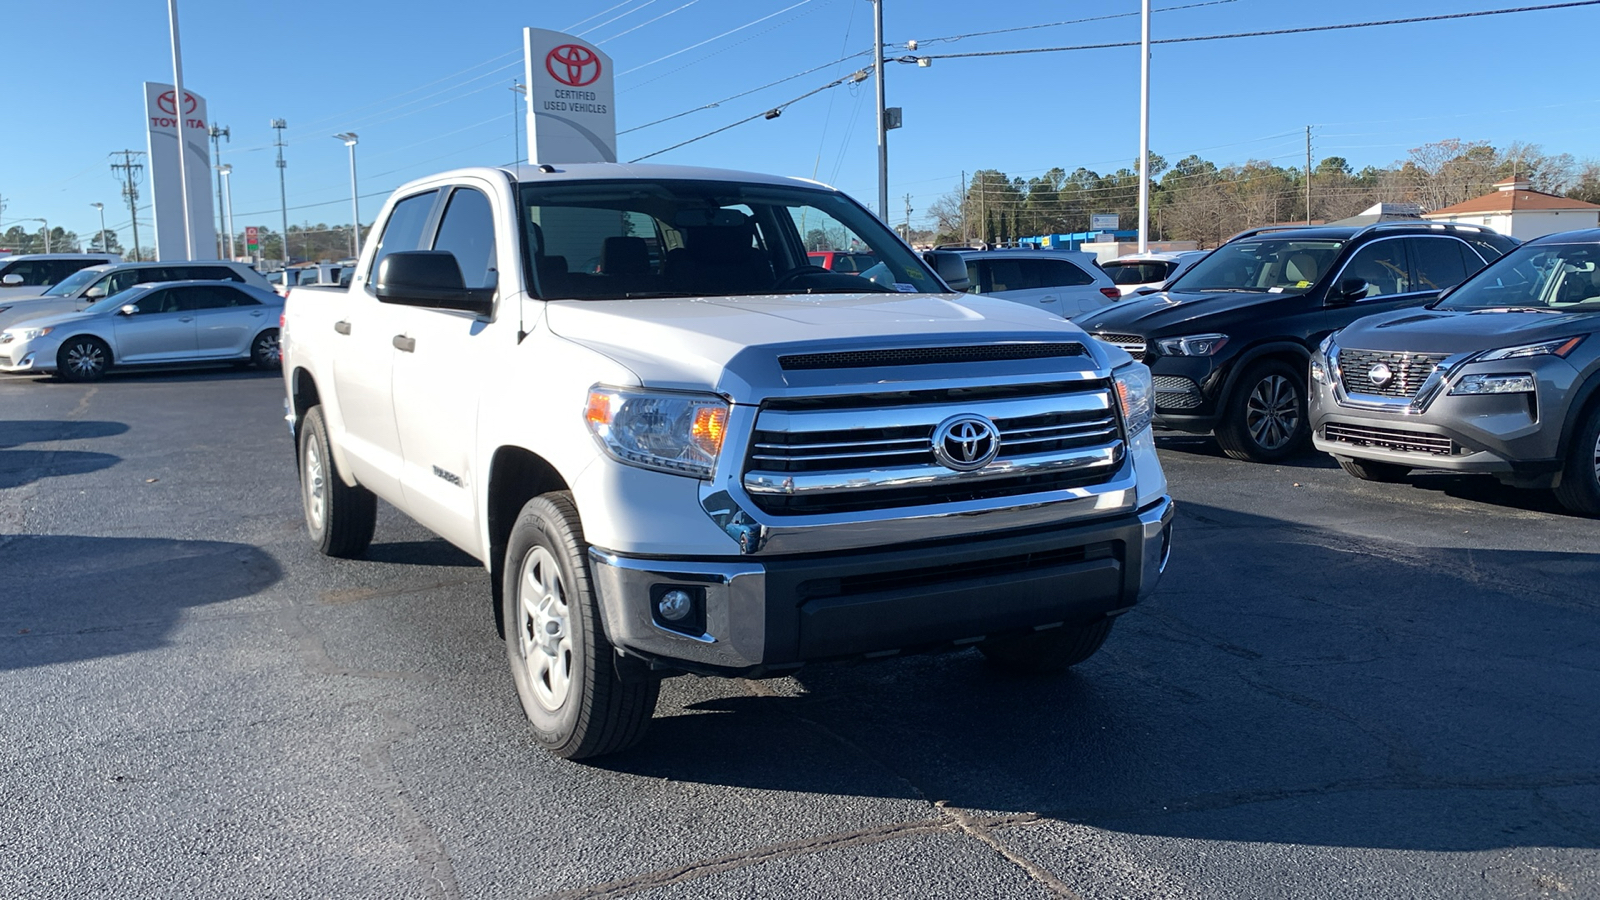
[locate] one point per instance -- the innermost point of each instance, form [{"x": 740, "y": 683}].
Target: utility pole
[
  {"x": 283, "y": 196},
  {"x": 130, "y": 190},
  {"x": 216, "y": 134},
  {"x": 883, "y": 123},
  {"x": 908, "y": 219},
  {"x": 965, "y": 235},
  {"x": 1308, "y": 174},
  {"x": 1144, "y": 128}
]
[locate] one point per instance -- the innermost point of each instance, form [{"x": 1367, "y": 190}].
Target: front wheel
[
  {"x": 341, "y": 518},
  {"x": 1369, "y": 470},
  {"x": 1047, "y": 652},
  {"x": 83, "y": 358},
  {"x": 563, "y": 666},
  {"x": 1579, "y": 489},
  {"x": 1265, "y": 418}
]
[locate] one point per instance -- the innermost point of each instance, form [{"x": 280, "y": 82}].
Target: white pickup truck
[{"x": 677, "y": 446}]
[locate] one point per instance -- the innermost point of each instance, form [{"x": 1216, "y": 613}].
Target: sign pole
[
  {"x": 883, "y": 123},
  {"x": 182, "y": 116},
  {"x": 1144, "y": 130}
]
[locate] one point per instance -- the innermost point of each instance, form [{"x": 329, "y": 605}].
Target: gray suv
[{"x": 1500, "y": 376}]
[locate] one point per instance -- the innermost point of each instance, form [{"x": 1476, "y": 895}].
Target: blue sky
[{"x": 427, "y": 88}]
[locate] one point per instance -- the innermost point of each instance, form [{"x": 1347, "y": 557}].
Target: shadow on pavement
[
  {"x": 16, "y": 432},
  {"x": 20, "y": 467},
  {"x": 71, "y": 598},
  {"x": 1204, "y": 445},
  {"x": 1286, "y": 684},
  {"x": 438, "y": 552}
]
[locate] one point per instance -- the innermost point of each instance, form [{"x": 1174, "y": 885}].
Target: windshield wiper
[
  {"x": 1230, "y": 290},
  {"x": 1506, "y": 309}
]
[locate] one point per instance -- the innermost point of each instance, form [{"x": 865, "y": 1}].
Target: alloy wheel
[
  {"x": 85, "y": 359},
  {"x": 1272, "y": 413},
  {"x": 316, "y": 487},
  {"x": 544, "y": 632}
]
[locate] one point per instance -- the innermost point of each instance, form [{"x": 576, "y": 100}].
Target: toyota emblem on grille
[
  {"x": 1380, "y": 375},
  {"x": 966, "y": 443}
]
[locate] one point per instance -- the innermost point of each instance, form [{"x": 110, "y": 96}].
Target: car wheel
[
  {"x": 1047, "y": 652},
  {"x": 264, "y": 351},
  {"x": 1579, "y": 488},
  {"x": 341, "y": 518},
  {"x": 1369, "y": 470},
  {"x": 1265, "y": 418},
  {"x": 83, "y": 359},
  {"x": 562, "y": 664}
]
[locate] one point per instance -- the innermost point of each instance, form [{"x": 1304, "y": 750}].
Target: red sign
[
  {"x": 166, "y": 102},
  {"x": 251, "y": 236},
  {"x": 573, "y": 65}
]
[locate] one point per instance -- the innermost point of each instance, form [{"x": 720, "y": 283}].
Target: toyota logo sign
[
  {"x": 168, "y": 105},
  {"x": 966, "y": 443},
  {"x": 574, "y": 65}
]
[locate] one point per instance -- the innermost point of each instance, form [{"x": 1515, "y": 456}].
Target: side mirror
[
  {"x": 129, "y": 309},
  {"x": 950, "y": 268},
  {"x": 1347, "y": 292},
  {"x": 95, "y": 293},
  {"x": 430, "y": 279},
  {"x": 12, "y": 280}
]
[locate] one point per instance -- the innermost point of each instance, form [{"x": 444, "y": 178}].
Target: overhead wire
[{"x": 723, "y": 35}]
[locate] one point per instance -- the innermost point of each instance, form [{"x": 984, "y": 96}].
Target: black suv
[{"x": 1229, "y": 342}]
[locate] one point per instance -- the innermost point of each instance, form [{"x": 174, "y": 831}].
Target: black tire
[
  {"x": 1264, "y": 419},
  {"x": 1047, "y": 652},
  {"x": 83, "y": 358},
  {"x": 264, "y": 351},
  {"x": 1370, "y": 470},
  {"x": 1579, "y": 487},
  {"x": 341, "y": 518},
  {"x": 563, "y": 666}
]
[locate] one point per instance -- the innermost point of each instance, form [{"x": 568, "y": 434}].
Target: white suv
[
  {"x": 1067, "y": 283},
  {"x": 28, "y": 275}
]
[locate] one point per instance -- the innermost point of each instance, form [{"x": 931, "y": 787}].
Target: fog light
[{"x": 675, "y": 606}]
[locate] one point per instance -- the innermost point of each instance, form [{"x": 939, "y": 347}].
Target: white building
[{"x": 1516, "y": 210}]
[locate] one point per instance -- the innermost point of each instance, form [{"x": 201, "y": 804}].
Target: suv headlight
[
  {"x": 1136, "y": 396},
  {"x": 1560, "y": 347},
  {"x": 677, "y": 433},
  {"x": 1193, "y": 345}
]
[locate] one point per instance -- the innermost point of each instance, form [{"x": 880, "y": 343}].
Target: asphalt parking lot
[{"x": 1340, "y": 689}]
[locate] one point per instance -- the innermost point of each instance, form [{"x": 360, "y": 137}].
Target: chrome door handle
[
  {"x": 257, "y": 314},
  {"x": 186, "y": 318},
  {"x": 342, "y": 327},
  {"x": 401, "y": 342}
]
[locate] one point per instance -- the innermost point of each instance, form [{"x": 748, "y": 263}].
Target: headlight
[
  {"x": 1560, "y": 347},
  {"x": 30, "y": 334},
  {"x": 1495, "y": 384},
  {"x": 1319, "y": 371},
  {"x": 677, "y": 433},
  {"x": 1193, "y": 345},
  {"x": 1135, "y": 394}
]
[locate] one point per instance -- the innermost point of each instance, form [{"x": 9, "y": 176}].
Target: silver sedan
[{"x": 162, "y": 323}]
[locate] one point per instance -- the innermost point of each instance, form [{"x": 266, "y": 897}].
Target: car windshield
[
  {"x": 678, "y": 238},
  {"x": 115, "y": 301},
  {"x": 73, "y": 283},
  {"x": 1563, "y": 277},
  {"x": 1265, "y": 265},
  {"x": 1138, "y": 271}
]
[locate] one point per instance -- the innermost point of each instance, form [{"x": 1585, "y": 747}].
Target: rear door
[
  {"x": 226, "y": 320},
  {"x": 1075, "y": 289},
  {"x": 1020, "y": 281},
  {"x": 161, "y": 331}
]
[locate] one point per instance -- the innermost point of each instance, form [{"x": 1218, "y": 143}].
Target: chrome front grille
[
  {"x": 1132, "y": 344},
  {"x": 1390, "y": 438},
  {"x": 870, "y": 453},
  {"x": 1408, "y": 371}
]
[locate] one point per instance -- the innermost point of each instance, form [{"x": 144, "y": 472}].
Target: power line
[
  {"x": 773, "y": 113},
  {"x": 957, "y": 37},
  {"x": 723, "y": 35},
  {"x": 1271, "y": 33}
]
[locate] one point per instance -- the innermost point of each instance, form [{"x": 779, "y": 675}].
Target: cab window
[
  {"x": 467, "y": 231},
  {"x": 403, "y": 230}
]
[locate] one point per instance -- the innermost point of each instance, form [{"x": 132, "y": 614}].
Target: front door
[{"x": 161, "y": 331}]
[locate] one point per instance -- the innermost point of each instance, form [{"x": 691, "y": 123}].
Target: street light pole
[
  {"x": 103, "y": 241},
  {"x": 46, "y": 231},
  {"x": 225, "y": 172},
  {"x": 517, "y": 92},
  {"x": 883, "y": 130},
  {"x": 1144, "y": 130},
  {"x": 350, "y": 140}
]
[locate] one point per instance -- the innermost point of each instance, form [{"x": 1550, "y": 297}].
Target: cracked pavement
[{"x": 1340, "y": 689}]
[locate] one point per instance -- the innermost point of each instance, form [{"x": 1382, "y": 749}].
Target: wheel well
[
  {"x": 111, "y": 355},
  {"x": 304, "y": 395},
  {"x": 1292, "y": 355},
  {"x": 515, "y": 477},
  {"x": 1577, "y": 413}
]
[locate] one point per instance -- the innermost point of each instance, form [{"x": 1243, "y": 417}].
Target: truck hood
[
  {"x": 1170, "y": 312},
  {"x": 1462, "y": 331},
  {"x": 732, "y": 344}
]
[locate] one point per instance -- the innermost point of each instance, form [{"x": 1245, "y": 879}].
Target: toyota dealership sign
[
  {"x": 164, "y": 123},
  {"x": 572, "y": 103}
]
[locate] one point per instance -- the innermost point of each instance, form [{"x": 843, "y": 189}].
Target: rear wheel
[
  {"x": 1579, "y": 489},
  {"x": 1265, "y": 418},
  {"x": 83, "y": 358},
  {"x": 1047, "y": 652},
  {"x": 341, "y": 518},
  {"x": 264, "y": 352},
  {"x": 564, "y": 668},
  {"x": 1368, "y": 470}
]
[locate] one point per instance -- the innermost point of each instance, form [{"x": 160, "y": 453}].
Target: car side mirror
[
  {"x": 1347, "y": 292},
  {"x": 950, "y": 267},
  {"x": 129, "y": 309},
  {"x": 430, "y": 279},
  {"x": 12, "y": 280},
  {"x": 95, "y": 293}
]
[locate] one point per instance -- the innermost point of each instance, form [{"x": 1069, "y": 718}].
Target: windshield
[
  {"x": 670, "y": 238},
  {"x": 73, "y": 283},
  {"x": 1535, "y": 276},
  {"x": 1143, "y": 271},
  {"x": 1276, "y": 266}
]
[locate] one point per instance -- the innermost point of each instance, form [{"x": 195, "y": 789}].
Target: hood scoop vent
[
  {"x": 929, "y": 356},
  {"x": 1411, "y": 319}
]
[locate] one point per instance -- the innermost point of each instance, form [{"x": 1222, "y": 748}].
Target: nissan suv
[
  {"x": 1229, "y": 341},
  {"x": 1501, "y": 376}
]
